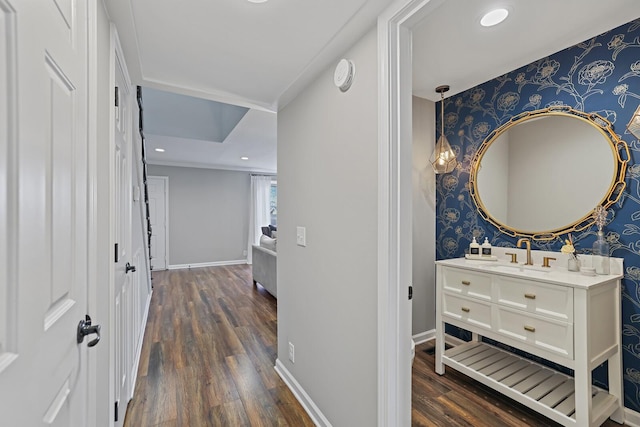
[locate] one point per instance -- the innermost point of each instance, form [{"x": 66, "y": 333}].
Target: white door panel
[
  {"x": 157, "y": 189},
  {"x": 43, "y": 212},
  {"x": 122, "y": 304}
]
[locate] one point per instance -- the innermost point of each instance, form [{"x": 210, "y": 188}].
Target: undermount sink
[{"x": 517, "y": 269}]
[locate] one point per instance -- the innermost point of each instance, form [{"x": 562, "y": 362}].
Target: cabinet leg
[
  {"x": 583, "y": 402},
  {"x": 440, "y": 347},
  {"x": 582, "y": 377},
  {"x": 439, "y": 368},
  {"x": 615, "y": 386}
]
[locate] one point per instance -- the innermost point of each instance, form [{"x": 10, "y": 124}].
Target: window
[{"x": 273, "y": 203}]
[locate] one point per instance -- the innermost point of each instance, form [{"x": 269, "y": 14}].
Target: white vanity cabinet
[{"x": 564, "y": 317}]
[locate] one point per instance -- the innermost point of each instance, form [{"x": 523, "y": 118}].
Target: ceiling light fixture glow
[
  {"x": 257, "y": 1},
  {"x": 494, "y": 17},
  {"x": 244, "y": 158},
  {"x": 160, "y": 150}
]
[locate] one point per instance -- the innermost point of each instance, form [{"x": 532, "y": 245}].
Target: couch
[{"x": 264, "y": 264}]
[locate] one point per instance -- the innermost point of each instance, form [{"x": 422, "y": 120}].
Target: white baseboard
[
  {"x": 138, "y": 353},
  {"x": 207, "y": 264},
  {"x": 314, "y": 412},
  {"x": 631, "y": 418},
  {"x": 424, "y": 336}
]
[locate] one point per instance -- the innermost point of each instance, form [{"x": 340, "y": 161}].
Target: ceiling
[
  {"x": 451, "y": 47},
  {"x": 236, "y": 52},
  {"x": 259, "y": 56},
  {"x": 172, "y": 114},
  {"x": 197, "y": 132}
]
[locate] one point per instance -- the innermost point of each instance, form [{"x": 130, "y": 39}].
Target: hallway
[
  {"x": 210, "y": 347},
  {"x": 208, "y": 354}
]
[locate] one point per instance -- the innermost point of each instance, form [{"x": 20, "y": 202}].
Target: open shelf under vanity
[{"x": 570, "y": 320}]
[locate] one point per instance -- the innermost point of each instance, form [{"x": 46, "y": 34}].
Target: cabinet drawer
[
  {"x": 468, "y": 283},
  {"x": 534, "y": 297},
  {"x": 473, "y": 312},
  {"x": 549, "y": 335}
]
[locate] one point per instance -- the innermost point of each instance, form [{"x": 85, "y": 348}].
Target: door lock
[{"x": 86, "y": 328}]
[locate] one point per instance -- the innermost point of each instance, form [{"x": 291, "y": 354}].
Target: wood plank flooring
[{"x": 208, "y": 355}]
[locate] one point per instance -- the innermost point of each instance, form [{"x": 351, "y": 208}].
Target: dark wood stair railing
[{"x": 144, "y": 172}]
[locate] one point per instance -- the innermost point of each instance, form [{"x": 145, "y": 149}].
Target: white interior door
[
  {"x": 157, "y": 187},
  {"x": 43, "y": 212},
  {"x": 123, "y": 336}
]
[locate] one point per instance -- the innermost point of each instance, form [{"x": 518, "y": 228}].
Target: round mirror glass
[{"x": 544, "y": 172}]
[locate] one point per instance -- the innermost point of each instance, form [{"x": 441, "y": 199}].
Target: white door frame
[
  {"x": 394, "y": 207},
  {"x": 95, "y": 384},
  {"x": 119, "y": 361},
  {"x": 166, "y": 217}
]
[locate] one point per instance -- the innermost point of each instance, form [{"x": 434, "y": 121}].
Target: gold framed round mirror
[{"x": 543, "y": 172}]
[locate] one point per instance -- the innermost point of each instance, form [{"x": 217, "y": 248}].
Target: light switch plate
[{"x": 301, "y": 236}]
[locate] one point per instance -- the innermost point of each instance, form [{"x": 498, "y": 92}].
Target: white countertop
[{"x": 558, "y": 275}]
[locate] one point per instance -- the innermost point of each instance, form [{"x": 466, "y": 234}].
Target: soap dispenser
[
  {"x": 486, "y": 247},
  {"x": 474, "y": 248}
]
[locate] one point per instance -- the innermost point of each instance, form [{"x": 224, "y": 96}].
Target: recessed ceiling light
[
  {"x": 257, "y": 1},
  {"x": 160, "y": 150},
  {"x": 244, "y": 158},
  {"x": 494, "y": 17}
]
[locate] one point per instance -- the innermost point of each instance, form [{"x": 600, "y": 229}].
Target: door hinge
[
  {"x": 117, "y": 97},
  {"x": 410, "y": 292},
  {"x": 116, "y": 411}
]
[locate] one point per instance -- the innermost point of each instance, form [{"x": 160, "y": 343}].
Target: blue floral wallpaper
[{"x": 600, "y": 75}]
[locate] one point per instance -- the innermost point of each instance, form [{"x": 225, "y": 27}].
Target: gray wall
[
  {"x": 327, "y": 291},
  {"x": 208, "y": 214},
  {"x": 424, "y": 217}
]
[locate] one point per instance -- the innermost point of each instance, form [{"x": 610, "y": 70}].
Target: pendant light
[{"x": 443, "y": 158}]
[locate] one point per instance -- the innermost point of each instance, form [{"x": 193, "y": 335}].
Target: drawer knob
[
  {"x": 530, "y": 296},
  {"x": 529, "y": 328},
  {"x": 466, "y": 282},
  {"x": 466, "y": 309}
]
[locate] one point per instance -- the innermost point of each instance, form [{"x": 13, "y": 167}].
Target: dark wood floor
[{"x": 208, "y": 355}]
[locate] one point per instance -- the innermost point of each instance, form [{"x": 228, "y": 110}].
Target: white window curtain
[{"x": 259, "y": 214}]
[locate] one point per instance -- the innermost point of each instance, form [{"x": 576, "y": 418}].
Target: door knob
[
  {"x": 129, "y": 268},
  {"x": 86, "y": 328}
]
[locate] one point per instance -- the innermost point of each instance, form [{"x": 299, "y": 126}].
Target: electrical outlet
[
  {"x": 292, "y": 353},
  {"x": 244, "y": 253}
]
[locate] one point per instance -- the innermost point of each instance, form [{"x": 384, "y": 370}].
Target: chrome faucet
[{"x": 528, "y": 246}]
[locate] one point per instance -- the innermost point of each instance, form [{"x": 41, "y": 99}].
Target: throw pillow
[{"x": 268, "y": 243}]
